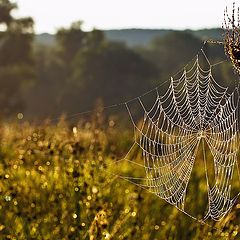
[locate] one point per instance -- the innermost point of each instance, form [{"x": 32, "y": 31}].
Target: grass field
[{"x": 56, "y": 183}]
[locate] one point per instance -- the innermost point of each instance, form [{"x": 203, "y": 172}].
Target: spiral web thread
[{"x": 194, "y": 108}]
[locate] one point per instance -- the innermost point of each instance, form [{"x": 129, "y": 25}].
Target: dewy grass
[{"x": 57, "y": 183}]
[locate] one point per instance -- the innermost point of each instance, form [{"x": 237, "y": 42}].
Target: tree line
[{"x": 82, "y": 67}]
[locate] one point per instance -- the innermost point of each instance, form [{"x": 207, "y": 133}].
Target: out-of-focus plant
[
  {"x": 59, "y": 182},
  {"x": 16, "y": 58}
]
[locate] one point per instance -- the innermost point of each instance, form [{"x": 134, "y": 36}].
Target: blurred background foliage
[{"x": 45, "y": 75}]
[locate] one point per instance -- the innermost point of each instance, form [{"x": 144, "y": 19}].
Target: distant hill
[
  {"x": 135, "y": 37},
  {"x": 142, "y": 37},
  {"x": 138, "y": 37},
  {"x": 205, "y": 34},
  {"x": 45, "y": 39}
]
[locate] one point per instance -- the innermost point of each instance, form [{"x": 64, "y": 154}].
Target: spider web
[{"x": 195, "y": 110}]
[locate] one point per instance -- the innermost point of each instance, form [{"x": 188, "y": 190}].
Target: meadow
[{"x": 57, "y": 183}]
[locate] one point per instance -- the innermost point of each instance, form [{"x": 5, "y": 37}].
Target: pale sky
[{"x": 49, "y": 15}]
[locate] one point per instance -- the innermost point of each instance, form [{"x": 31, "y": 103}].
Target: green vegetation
[
  {"x": 71, "y": 72},
  {"x": 57, "y": 183},
  {"x": 16, "y": 58}
]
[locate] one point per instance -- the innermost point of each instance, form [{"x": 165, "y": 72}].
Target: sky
[{"x": 50, "y": 15}]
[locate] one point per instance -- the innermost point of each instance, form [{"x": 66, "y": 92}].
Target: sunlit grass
[{"x": 57, "y": 183}]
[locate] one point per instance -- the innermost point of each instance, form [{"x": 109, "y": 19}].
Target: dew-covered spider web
[{"x": 194, "y": 112}]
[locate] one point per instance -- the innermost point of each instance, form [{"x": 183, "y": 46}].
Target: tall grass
[{"x": 56, "y": 183}]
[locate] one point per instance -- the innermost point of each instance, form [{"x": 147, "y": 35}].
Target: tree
[
  {"x": 85, "y": 67},
  {"x": 70, "y": 41},
  {"x": 5, "y": 11},
  {"x": 93, "y": 68},
  {"x": 171, "y": 52},
  {"x": 16, "y": 59},
  {"x": 111, "y": 72}
]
